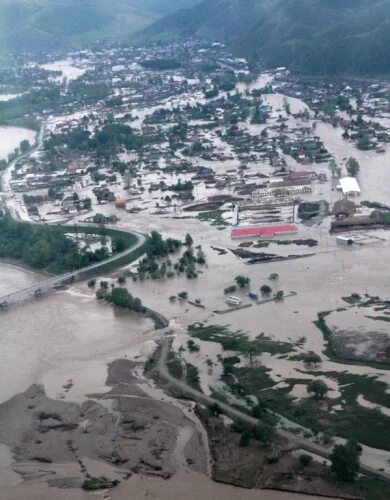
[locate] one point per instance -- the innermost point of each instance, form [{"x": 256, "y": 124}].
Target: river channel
[{"x": 66, "y": 335}]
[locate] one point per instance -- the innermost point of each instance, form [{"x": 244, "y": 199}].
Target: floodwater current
[
  {"x": 65, "y": 335},
  {"x": 69, "y": 335}
]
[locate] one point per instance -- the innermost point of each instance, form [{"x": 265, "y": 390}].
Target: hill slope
[
  {"x": 313, "y": 36},
  {"x": 29, "y": 25}
]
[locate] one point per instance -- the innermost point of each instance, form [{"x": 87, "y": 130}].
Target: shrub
[
  {"x": 345, "y": 461},
  {"x": 265, "y": 290},
  {"x": 244, "y": 439},
  {"x": 98, "y": 483},
  {"x": 192, "y": 346},
  {"x": 305, "y": 459}
]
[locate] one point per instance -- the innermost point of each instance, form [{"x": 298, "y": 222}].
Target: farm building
[{"x": 261, "y": 231}]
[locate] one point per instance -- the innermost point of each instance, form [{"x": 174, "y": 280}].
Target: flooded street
[{"x": 374, "y": 175}]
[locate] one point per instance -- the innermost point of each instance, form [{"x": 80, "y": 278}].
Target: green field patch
[
  {"x": 238, "y": 341},
  {"x": 379, "y": 318},
  {"x": 213, "y": 217},
  {"x": 364, "y": 425}
]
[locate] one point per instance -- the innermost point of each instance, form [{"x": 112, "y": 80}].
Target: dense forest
[
  {"x": 310, "y": 36},
  {"x": 43, "y": 247}
]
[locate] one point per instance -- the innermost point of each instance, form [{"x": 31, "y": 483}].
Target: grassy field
[
  {"x": 214, "y": 217},
  {"x": 364, "y": 425},
  {"x": 238, "y": 341},
  {"x": 368, "y": 489}
]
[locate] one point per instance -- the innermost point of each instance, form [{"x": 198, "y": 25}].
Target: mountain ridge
[
  {"x": 308, "y": 36},
  {"x": 45, "y": 25}
]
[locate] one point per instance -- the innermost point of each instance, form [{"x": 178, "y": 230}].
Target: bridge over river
[{"x": 53, "y": 282}]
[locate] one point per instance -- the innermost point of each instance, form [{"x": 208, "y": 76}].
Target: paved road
[{"x": 295, "y": 441}]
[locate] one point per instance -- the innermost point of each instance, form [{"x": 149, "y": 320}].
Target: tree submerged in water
[
  {"x": 121, "y": 297},
  {"x": 345, "y": 461}
]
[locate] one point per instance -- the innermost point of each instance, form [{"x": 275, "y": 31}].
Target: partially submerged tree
[
  {"x": 318, "y": 388},
  {"x": 188, "y": 240},
  {"x": 345, "y": 461},
  {"x": 352, "y": 166},
  {"x": 311, "y": 358},
  {"x": 265, "y": 289},
  {"x": 242, "y": 281},
  {"x": 279, "y": 295}
]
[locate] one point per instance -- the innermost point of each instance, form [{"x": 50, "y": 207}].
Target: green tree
[
  {"x": 104, "y": 285},
  {"x": 305, "y": 459},
  {"x": 352, "y": 166},
  {"x": 279, "y": 295},
  {"x": 333, "y": 167},
  {"x": 192, "y": 346},
  {"x": 311, "y": 358},
  {"x": 188, "y": 240},
  {"x": 264, "y": 432},
  {"x": 118, "y": 244},
  {"x": 24, "y": 146},
  {"x": 92, "y": 282},
  {"x": 245, "y": 439},
  {"x": 318, "y": 388},
  {"x": 87, "y": 203},
  {"x": 265, "y": 289},
  {"x": 345, "y": 461},
  {"x": 40, "y": 254},
  {"x": 250, "y": 349},
  {"x": 242, "y": 281},
  {"x": 214, "y": 409}
]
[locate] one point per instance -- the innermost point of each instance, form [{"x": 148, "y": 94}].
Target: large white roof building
[{"x": 349, "y": 186}]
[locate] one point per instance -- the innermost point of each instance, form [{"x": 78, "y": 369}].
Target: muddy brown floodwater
[{"x": 67, "y": 338}]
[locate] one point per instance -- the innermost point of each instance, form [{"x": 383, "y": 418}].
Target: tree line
[{"x": 42, "y": 247}]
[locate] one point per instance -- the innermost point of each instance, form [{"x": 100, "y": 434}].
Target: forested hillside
[
  {"x": 312, "y": 36},
  {"x": 28, "y": 25}
]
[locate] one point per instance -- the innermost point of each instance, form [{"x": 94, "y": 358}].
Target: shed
[
  {"x": 349, "y": 186},
  {"x": 344, "y": 208}
]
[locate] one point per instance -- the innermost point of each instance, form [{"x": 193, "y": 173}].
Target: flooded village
[{"x": 265, "y": 196}]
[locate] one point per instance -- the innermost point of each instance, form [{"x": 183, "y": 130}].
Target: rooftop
[{"x": 240, "y": 232}]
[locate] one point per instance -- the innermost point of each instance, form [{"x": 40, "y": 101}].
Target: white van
[{"x": 233, "y": 301}]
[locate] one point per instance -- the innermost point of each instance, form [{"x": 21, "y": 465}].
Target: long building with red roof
[{"x": 261, "y": 231}]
